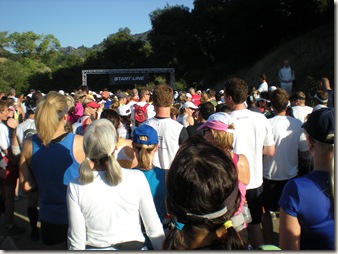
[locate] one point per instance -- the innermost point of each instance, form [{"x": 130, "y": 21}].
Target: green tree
[
  {"x": 25, "y": 43},
  {"x": 47, "y": 49}
]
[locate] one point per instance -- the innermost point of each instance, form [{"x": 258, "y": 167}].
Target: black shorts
[
  {"x": 254, "y": 197},
  {"x": 272, "y": 191},
  {"x": 52, "y": 234}
]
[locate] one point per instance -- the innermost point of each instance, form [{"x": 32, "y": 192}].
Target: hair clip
[
  {"x": 227, "y": 224},
  {"x": 179, "y": 225}
]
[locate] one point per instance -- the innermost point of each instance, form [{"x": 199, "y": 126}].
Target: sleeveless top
[{"x": 53, "y": 167}]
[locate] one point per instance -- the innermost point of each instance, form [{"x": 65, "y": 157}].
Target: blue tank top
[{"x": 53, "y": 167}]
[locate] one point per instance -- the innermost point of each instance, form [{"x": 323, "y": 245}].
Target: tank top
[{"x": 53, "y": 167}]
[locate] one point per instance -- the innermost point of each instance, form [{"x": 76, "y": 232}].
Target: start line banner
[{"x": 128, "y": 79}]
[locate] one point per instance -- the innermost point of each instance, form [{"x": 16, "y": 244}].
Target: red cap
[{"x": 93, "y": 104}]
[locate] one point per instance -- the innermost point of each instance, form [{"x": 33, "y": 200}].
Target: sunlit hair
[
  {"x": 79, "y": 96},
  {"x": 99, "y": 142},
  {"x": 224, "y": 140},
  {"x": 50, "y": 110},
  {"x": 205, "y": 97},
  {"x": 279, "y": 99},
  {"x": 163, "y": 96},
  {"x": 86, "y": 101},
  {"x": 236, "y": 88},
  {"x": 3, "y": 105},
  {"x": 202, "y": 180},
  {"x": 143, "y": 91},
  {"x": 112, "y": 116},
  {"x": 143, "y": 155}
]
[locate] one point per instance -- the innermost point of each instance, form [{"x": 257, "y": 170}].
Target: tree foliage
[{"x": 215, "y": 38}]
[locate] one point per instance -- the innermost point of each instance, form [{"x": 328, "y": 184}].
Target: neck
[
  {"x": 238, "y": 107},
  {"x": 322, "y": 161},
  {"x": 162, "y": 111}
]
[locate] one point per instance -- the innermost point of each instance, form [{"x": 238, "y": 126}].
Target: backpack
[{"x": 140, "y": 114}]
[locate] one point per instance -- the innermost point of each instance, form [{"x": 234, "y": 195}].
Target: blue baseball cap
[
  {"x": 145, "y": 135},
  {"x": 320, "y": 125}
]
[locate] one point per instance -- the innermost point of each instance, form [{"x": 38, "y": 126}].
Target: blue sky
[{"x": 80, "y": 22}]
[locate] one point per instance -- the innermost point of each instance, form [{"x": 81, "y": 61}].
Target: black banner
[{"x": 128, "y": 79}]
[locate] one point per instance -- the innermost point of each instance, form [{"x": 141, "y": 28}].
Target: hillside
[{"x": 311, "y": 55}]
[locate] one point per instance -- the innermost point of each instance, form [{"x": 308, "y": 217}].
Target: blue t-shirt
[
  {"x": 156, "y": 180},
  {"x": 309, "y": 199}
]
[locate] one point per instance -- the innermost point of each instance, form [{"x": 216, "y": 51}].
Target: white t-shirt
[
  {"x": 101, "y": 215},
  {"x": 168, "y": 131},
  {"x": 182, "y": 119},
  {"x": 301, "y": 112},
  {"x": 22, "y": 127},
  {"x": 4, "y": 138},
  {"x": 289, "y": 139},
  {"x": 252, "y": 132},
  {"x": 263, "y": 87}
]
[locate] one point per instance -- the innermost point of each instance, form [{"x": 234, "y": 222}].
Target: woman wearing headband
[
  {"x": 49, "y": 160},
  {"x": 202, "y": 198}
]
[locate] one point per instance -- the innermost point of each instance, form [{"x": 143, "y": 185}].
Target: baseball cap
[
  {"x": 124, "y": 110},
  {"x": 272, "y": 88},
  {"x": 188, "y": 95},
  {"x": 145, "y": 135},
  {"x": 219, "y": 121},
  {"x": 93, "y": 104},
  {"x": 320, "y": 125},
  {"x": 262, "y": 99},
  {"x": 189, "y": 104}
]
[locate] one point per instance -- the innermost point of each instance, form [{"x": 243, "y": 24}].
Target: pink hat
[{"x": 218, "y": 121}]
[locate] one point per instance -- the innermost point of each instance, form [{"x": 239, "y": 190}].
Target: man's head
[
  {"x": 235, "y": 91},
  {"x": 163, "y": 96},
  {"x": 286, "y": 63},
  {"x": 279, "y": 100},
  {"x": 324, "y": 83},
  {"x": 297, "y": 99},
  {"x": 145, "y": 95}
]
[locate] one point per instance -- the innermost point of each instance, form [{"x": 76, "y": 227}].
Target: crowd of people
[{"x": 153, "y": 169}]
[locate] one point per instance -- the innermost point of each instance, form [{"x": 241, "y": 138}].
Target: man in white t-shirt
[
  {"x": 298, "y": 108},
  {"x": 290, "y": 141},
  {"x": 253, "y": 138},
  {"x": 263, "y": 87},
  {"x": 171, "y": 134}
]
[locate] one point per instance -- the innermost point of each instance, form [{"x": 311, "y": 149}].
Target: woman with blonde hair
[
  {"x": 49, "y": 160},
  {"x": 219, "y": 129},
  {"x": 106, "y": 203}
]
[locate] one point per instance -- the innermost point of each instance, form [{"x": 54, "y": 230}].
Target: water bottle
[{"x": 246, "y": 213}]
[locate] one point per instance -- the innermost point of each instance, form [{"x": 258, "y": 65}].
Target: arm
[
  {"x": 243, "y": 169},
  {"x": 77, "y": 225},
  {"x": 25, "y": 175},
  {"x": 78, "y": 149},
  {"x": 151, "y": 221},
  {"x": 289, "y": 232},
  {"x": 269, "y": 150}
]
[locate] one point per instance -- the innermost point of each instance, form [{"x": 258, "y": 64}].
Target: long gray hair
[{"x": 99, "y": 143}]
